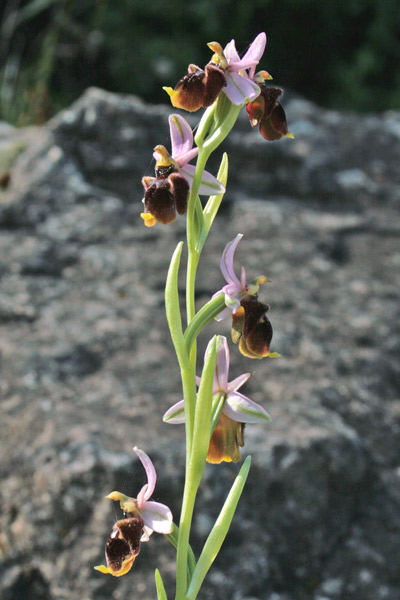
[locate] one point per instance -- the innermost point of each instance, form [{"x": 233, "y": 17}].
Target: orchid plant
[{"x": 213, "y": 409}]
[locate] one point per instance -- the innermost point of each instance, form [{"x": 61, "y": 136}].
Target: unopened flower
[
  {"x": 225, "y": 72},
  {"x": 268, "y": 113},
  {"x": 141, "y": 518},
  {"x": 251, "y": 327},
  {"x": 238, "y": 409},
  {"x": 167, "y": 193}
]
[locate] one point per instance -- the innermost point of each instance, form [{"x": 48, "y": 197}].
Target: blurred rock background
[{"x": 87, "y": 368}]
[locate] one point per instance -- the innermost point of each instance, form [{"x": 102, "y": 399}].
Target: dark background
[{"x": 342, "y": 54}]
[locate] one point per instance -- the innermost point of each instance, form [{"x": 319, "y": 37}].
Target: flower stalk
[{"x": 213, "y": 409}]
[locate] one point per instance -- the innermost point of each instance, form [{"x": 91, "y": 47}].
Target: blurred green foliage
[{"x": 341, "y": 54}]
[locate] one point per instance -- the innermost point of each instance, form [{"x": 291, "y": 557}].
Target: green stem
[
  {"x": 207, "y": 313},
  {"x": 220, "y": 133},
  {"x": 189, "y": 386},
  {"x": 189, "y": 497},
  {"x": 173, "y": 539},
  {"x": 217, "y": 129},
  {"x": 205, "y": 124}
]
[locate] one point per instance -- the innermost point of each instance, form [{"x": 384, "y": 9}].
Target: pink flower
[
  {"x": 237, "y": 410},
  {"x": 251, "y": 328},
  {"x": 141, "y": 517},
  {"x": 167, "y": 193},
  {"x": 236, "y": 289},
  {"x": 240, "y": 87}
]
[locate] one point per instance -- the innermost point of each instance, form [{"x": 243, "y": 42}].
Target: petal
[
  {"x": 238, "y": 321},
  {"x": 180, "y": 190},
  {"x": 181, "y": 136},
  {"x": 186, "y": 157},
  {"x": 189, "y": 91},
  {"x": 240, "y": 89},
  {"x": 240, "y": 408},
  {"x": 176, "y": 414},
  {"x": 157, "y": 516},
  {"x": 237, "y": 383},
  {"x": 225, "y": 441},
  {"x": 231, "y": 54},
  {"x": 233, "y": 290},
  {"x": 146, "y": 534},
  {"x": 125, "y": 567},
  {"x": 255, "y": 52},
  {"x": 259, "y": 339},
  {"x": 243, "y": 282},
  {"x": 224, "y": 314},
  {"x": 159, "y": 203},
  {"x": 150, "y": 472},
  {"x": 209, "y": 184},
  {"x": 147, "y": 181},
  {"x": 226, "y": 264},
  {"x": 123, "y": 546},
  {"x": 141, "y": 496}
]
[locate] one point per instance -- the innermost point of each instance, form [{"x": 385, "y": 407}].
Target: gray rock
[{"x": 88, "y": 368}]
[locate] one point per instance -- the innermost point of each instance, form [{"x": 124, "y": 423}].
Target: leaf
[
  {"x": 202, "y": 419},
  {"x": 161, "y": 594},
  {"x": 172, "y": 308},
  {"x": 218, "y": 532}
]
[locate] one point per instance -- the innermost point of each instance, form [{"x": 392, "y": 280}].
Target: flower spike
[{"x": 141, "y": 518}]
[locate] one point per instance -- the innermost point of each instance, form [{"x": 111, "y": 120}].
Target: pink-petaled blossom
[
  {"x": 241, "y": 84},
  {"x": 251, "y": 328},
  {"x": 182, "y": 152},
  {"x": 167, "y": 193},
  {"x": 141, "y": 517},
  {"x": 235, "y": 289},
  {"x": 237, "y": 410}
]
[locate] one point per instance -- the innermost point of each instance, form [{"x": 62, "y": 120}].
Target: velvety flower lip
[
  {"x": 237, "y": 410},
  {"x": 236, "y": 288},
  {"x": 198, "y": 89},
  {"x": 141, "y": 517},
  {"x": 182, "y": 152},
  {"x": 240, "y": 87},
  {"x": 252, "y": 330},
  {"x": 268, "y": 113}
]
